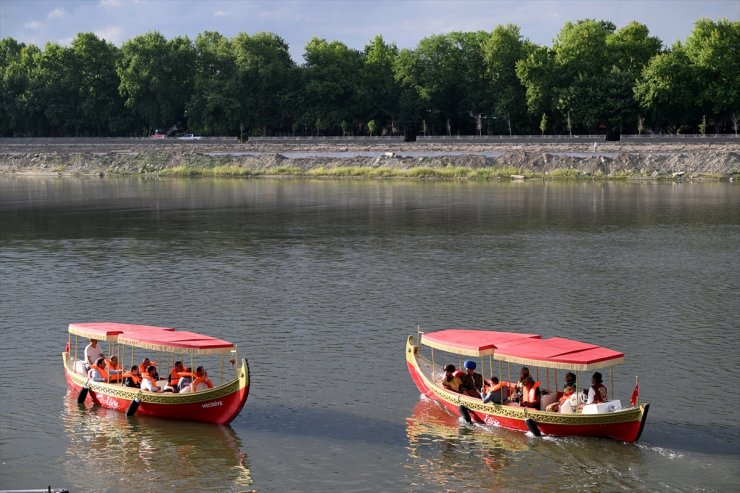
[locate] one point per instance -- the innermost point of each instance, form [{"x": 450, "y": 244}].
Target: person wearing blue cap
[{"x": 472, "y": 382}]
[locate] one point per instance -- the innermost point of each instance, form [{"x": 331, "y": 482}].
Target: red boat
[
  {"x": 219, "y": 404},
  {"x": 496, "y": 351}
]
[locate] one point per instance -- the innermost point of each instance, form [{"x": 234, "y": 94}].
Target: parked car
[{"x": 189, "y": 137}]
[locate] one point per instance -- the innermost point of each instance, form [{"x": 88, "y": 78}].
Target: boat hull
[
  {"x": 219, "y": 405},
  {"x": 625, "y": 425}
]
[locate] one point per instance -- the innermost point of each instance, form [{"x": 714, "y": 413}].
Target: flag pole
[{"x": 637, "y": 386}]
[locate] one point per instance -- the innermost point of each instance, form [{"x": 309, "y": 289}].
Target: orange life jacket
[
  {"x": 529, "y": 394},
  {"x": 493, "y": 388},
  {"x": 114, "y": 377},
  {"x": 565, "y": 397},
  {"x": 135, "y": 378},
  {"x": 175, "y": 377},
  {"x": 151, "y": 379},
  {"x": 102, "y": 372},
  {"x": 203, "y": 379},
  {"x": 143, "y": 367}
]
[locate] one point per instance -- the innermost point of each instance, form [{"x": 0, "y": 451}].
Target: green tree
[
  {"x": 379, "y": 93},
  {"x": 443, "y": 79},
  {"x": 331, "y": 78},
  {"x": 56, "y": 77},
  {"x": 215, "y": 104},
  {"x": 631, "y": 48},
  {"x": 713, "y": 49},
  {"x": 266, "y": 77},
  {"x": 412, "y": 109},
  {"x": 543, "y": 123},
  {"x": 502, "y": 50},
  {"x": 539, "y": 76},
  {"x": 14, "y": 79},
  {"x": 668, "y": 89},
  {"x": 101, "y": 110},
  {"x": 582, "y": 62},
  {"x": 157, "y": 78}
]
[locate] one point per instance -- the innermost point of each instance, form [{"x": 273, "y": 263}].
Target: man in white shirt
[
  {"x": 92, "y": 353},
  {"x": 148, "y": 382}
]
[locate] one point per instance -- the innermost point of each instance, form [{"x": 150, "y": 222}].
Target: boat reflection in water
[
  {"x": 445, "y": 452},
  {"x": 109, "y": 452}
]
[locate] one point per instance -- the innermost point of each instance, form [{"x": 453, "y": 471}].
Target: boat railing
[{"x": 427, "y": 367}]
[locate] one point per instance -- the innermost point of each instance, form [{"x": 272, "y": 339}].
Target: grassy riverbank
[{"x": 611, "y": 161}]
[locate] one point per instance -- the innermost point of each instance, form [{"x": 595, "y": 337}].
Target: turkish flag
[{"x": 635, "y": 394}]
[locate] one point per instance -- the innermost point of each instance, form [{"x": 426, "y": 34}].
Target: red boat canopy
[
  {"x": 473, "y": 342},
  {"x": 150, "y": 337},
  {"x": 560, "y": 353}
]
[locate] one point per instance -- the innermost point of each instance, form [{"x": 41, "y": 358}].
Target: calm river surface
[{"x": 320, "y": 282}]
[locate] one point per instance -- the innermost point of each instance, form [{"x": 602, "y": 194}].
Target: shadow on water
[
  {"x": 109, "y": 452},
  {"x": 321, "y": 423}
]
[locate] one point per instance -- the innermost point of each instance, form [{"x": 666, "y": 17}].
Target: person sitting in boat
[
  {"x": 201, "y": 380},
  {"x": 175, "y": 375},
  {"x": 472, "y": 382},
  {"x": 186, "y": 378},
  {"x": 144, "y": 367},
  {"x": 570, "y": 381},
  {"x": 597, "y": 392},
  {"x": 530, "y": 393},
  {"x": 492, "y": 391},
  {"x": 132, "y": 378},
  {"x": 92, "y": 353},
  {"x": 523, "y": 375},
  {"x": 568, "y": 391},
  {"x": 149, "y": 380},
  {"x": 450, "y": 381},
  {"x": 113, "y": 367},
  {"x": 97, "y": 371}
]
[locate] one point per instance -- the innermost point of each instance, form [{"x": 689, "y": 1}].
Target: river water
[{"x": 321, "y": 281}]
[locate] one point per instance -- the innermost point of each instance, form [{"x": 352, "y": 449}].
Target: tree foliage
[{"x": 594, "y": 79}]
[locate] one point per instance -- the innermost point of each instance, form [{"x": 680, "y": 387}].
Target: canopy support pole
[
  {"x": 611, "y": 371},
  {"x": 434, "y": 368}
]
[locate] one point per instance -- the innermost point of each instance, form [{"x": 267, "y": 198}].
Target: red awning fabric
[
  {"x": 473, "y": 342},
  {"x": 178, "y": 341},
  {"x": 109, "y": 331},
  {"x": 151, "y": 337},
  {"x": 558, "y": 352}
]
